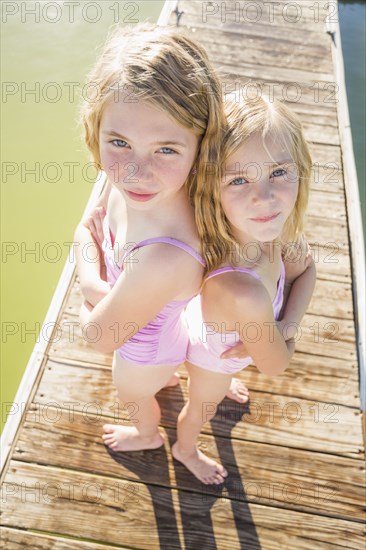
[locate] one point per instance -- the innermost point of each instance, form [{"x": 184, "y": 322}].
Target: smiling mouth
[
  {"x": 264, "y": 219},
  {"x": 140, "y": 196}
]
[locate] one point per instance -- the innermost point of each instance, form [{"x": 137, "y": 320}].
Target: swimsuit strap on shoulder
[
  {"x": 167, "y": 240},
  {"x": 228, "y": 269}
]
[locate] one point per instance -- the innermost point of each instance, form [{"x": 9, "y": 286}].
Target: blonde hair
[
  {"x": 169, "y": 70},
  {"x": 244, "y": 119}
]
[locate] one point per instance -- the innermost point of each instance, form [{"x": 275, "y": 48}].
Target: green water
[
  {"x": 41, "y": 128},
  {"x": 353, "y": 33},
  {"x": 44, "y": 207}
]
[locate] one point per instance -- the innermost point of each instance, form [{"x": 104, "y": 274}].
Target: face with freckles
[
  {"x": 259, "y": 189},
  {"x": 146, "y": 154}
]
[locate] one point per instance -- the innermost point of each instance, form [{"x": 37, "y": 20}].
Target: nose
[
  {"x": 138, "y": 171},
  {"x": 144, "y": 171},
  {"x": 262, "y": 191}
]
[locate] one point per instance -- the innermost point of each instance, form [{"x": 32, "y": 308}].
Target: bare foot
[
  {"x": 127, "y": 438},
  {"x": 205, "y": 469},
  {"x": 173, "y": 381},
  {"x": 237, "y": 391}
]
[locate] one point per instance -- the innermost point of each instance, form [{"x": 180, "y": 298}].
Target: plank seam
[
  {"x": 68, "y": 537},
  {"x": 186, "y": 490},
  {"x": 354, "y": 455}
]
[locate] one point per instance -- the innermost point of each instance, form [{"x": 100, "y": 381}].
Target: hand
[
  {"x": 239, "y": 351},
  {"x": 94, "y": 223},
  {"x": 297, "y": 258}
]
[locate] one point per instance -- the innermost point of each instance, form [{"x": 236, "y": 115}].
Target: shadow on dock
[{"x": 194, "y": 501}]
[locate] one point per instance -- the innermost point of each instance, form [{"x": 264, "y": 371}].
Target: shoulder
[
  {"x": 235, "y": 295},
  {"x": 158, "y": 261},
  {"x": 167, "y": 255}
]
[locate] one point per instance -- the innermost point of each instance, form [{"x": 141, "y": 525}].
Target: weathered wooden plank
[
  {"x": 321, "y": 335},
  {"x": 277, "y": 419},
  {"x": 69, "y": 341},
  {"x": 259, "y": 473},
  {"x": 15, "y": 539},
  {"x": 327, "y": 205},
  {"x": 311, "y": 407},
  {"x": 261, "y": 51},
  {"x": 331, "y": 234},
  {"x": 74, "y": 298},
  {"x": 290, "y": 16},
  {"x": 334, "y": 298},
  {"x": 145, "y": 516},
  {"x": 303, "y": 39},
  {"x": 326, "y": 154},
  {"x": 328, "y": 178},
  {"x": 333, "y": 381},
  {"x": 332, "y": 262},
  {"x": 314, "y": 376},
  {"x": 307, "y": 92},
  {"x": 257, "y": 33}
]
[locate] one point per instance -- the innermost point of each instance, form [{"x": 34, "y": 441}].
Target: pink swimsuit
[
  {"x": 207, "y": 343},
  {"x": 164, "y": 340}
]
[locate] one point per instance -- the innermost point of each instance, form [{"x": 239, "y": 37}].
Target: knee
[
  {"x": 128, "y": 389},
  {"x": 129, "y": 393}
]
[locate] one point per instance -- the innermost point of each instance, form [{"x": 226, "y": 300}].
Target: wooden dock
[{"x": 296, "y": 453}]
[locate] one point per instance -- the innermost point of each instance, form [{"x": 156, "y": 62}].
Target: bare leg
[
  {"x": 137, "y": 384},
  {"x": 237, "y": 391},
  {"x": 206, "y": 391}
]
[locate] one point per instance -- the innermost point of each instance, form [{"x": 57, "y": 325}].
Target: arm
[
  {"x": 269, "y": 350},
  {"x": 250, "y": 310},
  {"x": 140, "y": 293},
  {"x": 299, "y": 287},
  {"x": 93, "y": 287}
]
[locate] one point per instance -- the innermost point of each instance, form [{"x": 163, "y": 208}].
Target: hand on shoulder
[{"x": 297, "y": 258}]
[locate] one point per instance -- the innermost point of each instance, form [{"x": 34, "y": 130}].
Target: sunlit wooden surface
[{"x": 295, "y": 454}]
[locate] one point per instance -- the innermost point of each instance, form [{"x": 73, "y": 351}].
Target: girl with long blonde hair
[
  {"x": 247, "y": 218},
  {"x": 153, "y": 127}
]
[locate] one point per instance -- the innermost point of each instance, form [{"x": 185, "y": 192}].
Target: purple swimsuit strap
[
  {"x": 229, "y": 269},
  {"x": 167, "y": 240}
]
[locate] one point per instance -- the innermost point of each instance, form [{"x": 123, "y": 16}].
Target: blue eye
[
  {"x": 278, "y": 173},
  {"x": 120, "y": 143},
  {"x": 167, "y": 150},
  {"x": 238, "y": 181}
]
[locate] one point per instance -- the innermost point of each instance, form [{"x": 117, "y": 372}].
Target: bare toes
[{"x": 108, "y": 428}]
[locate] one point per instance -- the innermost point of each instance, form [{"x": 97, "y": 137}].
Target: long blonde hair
[
  {"x": 172, "y": 72},
  {"x": 244, "y": 119}
]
